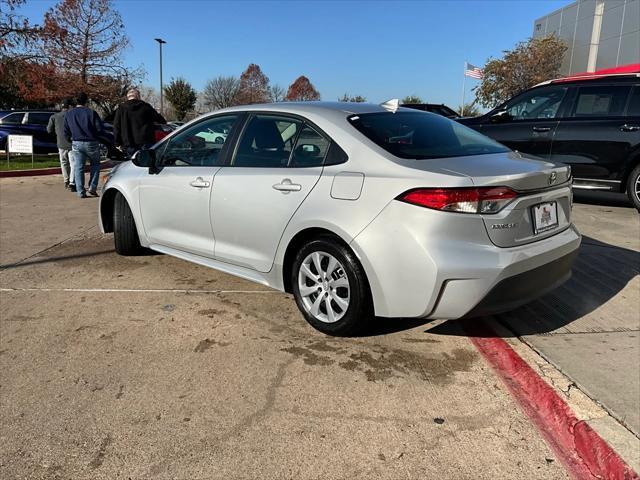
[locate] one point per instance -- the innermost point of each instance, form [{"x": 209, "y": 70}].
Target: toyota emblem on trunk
[{"x": 552, "y": 178}]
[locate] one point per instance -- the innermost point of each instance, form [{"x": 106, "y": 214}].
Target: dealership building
[{"x": 600, "y": 34}]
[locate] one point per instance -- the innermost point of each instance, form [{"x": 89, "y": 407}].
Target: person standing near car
[
  {"x": 134, "y": 123},
  {"x": 84, "y": 128},
  {"x": 56, "y": 125}
]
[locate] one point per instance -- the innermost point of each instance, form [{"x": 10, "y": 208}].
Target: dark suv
[
  {"x": 28, "y": 122},
  {"x": 34, "y": 122},
  {"x": 591, "y": 123}
]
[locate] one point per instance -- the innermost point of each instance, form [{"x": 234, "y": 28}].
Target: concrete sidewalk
[{"x": 590, "y": 327}]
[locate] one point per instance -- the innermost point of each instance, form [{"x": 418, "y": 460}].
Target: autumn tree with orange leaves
[
  {"x": 302, "y": 90},
  {"x": 254, "y": 86},
  {"x": 79, "y": 48}
]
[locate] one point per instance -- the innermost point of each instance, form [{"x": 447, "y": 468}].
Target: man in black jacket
[{"x": 133, "y": 125}]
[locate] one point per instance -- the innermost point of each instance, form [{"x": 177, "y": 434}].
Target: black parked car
[
  {"x": 440, "y": 109},
  {"x": 591, "y": 123}
]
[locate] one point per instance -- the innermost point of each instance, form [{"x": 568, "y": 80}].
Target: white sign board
[{"x": 20, "y": 144}]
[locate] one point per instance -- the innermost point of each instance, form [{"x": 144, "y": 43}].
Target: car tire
[
  {"x": 633, "y": 187},
  {"x": 125, "y": 234},
  {"x": 341, "y": 280}
]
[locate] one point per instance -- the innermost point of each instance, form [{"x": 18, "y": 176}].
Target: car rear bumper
[
  {"x": 522, "y": 288},
  {"x": 430, "y": 264}
]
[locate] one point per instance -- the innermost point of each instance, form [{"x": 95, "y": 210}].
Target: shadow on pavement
[
  {"x": 601, "y": 271},
  {"x": 40, "y": 260},
  {"x": 383, "y": 326}
]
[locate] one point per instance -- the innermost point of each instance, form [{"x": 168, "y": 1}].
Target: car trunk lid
[{"x": 542, "y": 207}]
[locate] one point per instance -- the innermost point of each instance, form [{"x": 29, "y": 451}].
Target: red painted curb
[
  {"x": 582, "y": 451},
  {"x": 44, "y": 171}
]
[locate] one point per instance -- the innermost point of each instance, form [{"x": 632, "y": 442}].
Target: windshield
[{"x": 421, "y": 135}]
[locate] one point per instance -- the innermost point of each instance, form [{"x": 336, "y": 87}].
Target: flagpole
[{"x": 464, "y": 78}]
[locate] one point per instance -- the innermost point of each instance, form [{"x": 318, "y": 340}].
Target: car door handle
[
  {"x": 200, "y": 183},
  {"x": 629, "y": 128},
  {"x": 541, "y": 129},
  {"x": 287, "y": 186}
]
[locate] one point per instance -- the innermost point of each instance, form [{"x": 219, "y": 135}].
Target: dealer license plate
[{"x": 545, "y": 217}]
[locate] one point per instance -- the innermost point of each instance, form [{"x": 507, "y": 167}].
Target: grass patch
[{"x": 23, "y": 162}]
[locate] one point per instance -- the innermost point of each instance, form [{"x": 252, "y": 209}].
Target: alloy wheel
[{"x": 324, "y": 287}]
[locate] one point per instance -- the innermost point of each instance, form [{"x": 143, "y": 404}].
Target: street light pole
[{"x": 160, "y": 42}]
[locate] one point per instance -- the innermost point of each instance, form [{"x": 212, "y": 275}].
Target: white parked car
[
  {"x": 321, "y": 200},
  {"x": 210, "y": 135}
]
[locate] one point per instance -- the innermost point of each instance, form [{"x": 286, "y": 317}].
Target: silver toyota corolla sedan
[{"x": 355, "y": 209}]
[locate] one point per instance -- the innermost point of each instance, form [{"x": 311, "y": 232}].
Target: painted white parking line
[{"x": 132, "y": 290}]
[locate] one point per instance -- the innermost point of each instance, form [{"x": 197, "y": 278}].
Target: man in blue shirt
[{"x": 84, "y": 128}]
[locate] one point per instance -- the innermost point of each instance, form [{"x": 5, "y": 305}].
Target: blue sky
[{"x": 378, "y": 49}]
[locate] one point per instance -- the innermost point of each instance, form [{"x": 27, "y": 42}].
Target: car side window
[
  {"x": 267, "y": 142},
  {"x": 601, "y": 101},
  {"x": 537, "y": 104},
  {"x": 13, "y": 118},
  {"x": 310, "y": 150},
  {"x": 199, "y": 145},
  {"x": 633, "y": 110},
  {"x": 38, "y": 118}
]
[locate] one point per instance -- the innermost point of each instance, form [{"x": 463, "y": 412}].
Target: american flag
[{"x": 472, "y": 71}]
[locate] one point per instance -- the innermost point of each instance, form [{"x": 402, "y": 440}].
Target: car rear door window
[
  {"x": 13, "y": 118},
  {"x": 38, "y": 118},
  {"x": 601, "y": 101},
  {"x": 267, "y": 142},
  {"x": 634, "y": 103},
  {"x": 310, "y": 150},
  {"x": 200, "y": 145}
]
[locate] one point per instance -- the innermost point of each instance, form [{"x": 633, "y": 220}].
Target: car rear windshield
[{"x": 421, "y": 135}]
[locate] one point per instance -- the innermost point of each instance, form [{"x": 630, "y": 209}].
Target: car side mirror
[
  {"x": 500, "y": 116},
  {"x": 145, "y": 158}
]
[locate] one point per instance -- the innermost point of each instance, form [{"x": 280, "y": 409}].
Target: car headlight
[{"x": 107, "y": 176}]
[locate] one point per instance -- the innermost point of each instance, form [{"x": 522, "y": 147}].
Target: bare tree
[
  {"x": 88, "y": 39},
  {"x": 19, "y": 39},
  {"x": 356, "y": 98},
  {"x": 221, "y": 92},
  {"x": 277, "y": 93},
  {"x": 150, "y": 95}
]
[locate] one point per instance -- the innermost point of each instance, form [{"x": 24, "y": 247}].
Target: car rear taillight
[{"x": 461, "y": 200}]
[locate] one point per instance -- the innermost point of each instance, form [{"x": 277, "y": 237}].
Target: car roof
[
  {"x": 424, "y": 104},
  {"x": 332, "y": 111},
  {"x": 318, "y": 108},
  {"x": 621, "y": 77}
]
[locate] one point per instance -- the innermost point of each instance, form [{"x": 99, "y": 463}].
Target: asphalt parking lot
[{"x": 151, "y": 367}]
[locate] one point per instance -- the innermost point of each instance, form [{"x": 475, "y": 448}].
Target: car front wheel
[
  {"x": 125, "y": 234},
  {"x": 633, "y": 187},
  {"x": 331, "y": 288}
]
